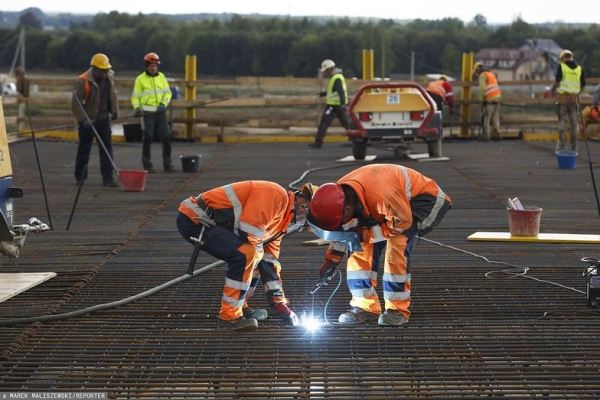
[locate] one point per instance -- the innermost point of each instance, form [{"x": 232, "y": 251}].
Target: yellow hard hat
[
  {"x": 478, "y": 64},
  {"x": 565, "y": 53},
  {"x": 308, "y": 190},
  {"x": 443, "y": 77},
  {"x": 100, "y": 61}
]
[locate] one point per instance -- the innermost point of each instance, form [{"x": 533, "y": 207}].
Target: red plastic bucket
[
  {"x": 132, "y": 180},
  {"x": 524, "y": 222}
]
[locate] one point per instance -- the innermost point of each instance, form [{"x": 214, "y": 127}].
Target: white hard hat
[{"x": 326, "y": 64}]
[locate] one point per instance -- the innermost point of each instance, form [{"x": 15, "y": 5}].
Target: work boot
[
  {"x": 315, "y": 145},
  {"x": 357, "y": 316},
  {"x": 169, "y": 168},
  {"x": 392, "y": 318},
  {"x": 258, "y": 314},
  {"x": 150, "y": 170},
  {"x": 109, "y": 183},
  {"x": 238, "y": 324}
]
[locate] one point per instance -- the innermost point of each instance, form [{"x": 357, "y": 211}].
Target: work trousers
[
  {"x": 84, "y": 148},
  {"x": 245, "y": 264},
  {"x": 155, "y": 124},
  {"x": 362, "y": 274},
  {"x": 490, "y": 120},
  {"x": 568, "y": 121},
  {"x": 329, "y": 114}
]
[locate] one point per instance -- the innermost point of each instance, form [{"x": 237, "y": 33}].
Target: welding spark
[{"x": 310, "y": 322}]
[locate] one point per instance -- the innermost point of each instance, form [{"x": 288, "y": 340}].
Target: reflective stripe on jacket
[
  {"x": 394, "y": 200},
  {"x": 149, "y": 92},
  {"x": 333, "y": 98},
  {"x": 571, "y": 80},
  {"x": 261, "y": 209},
  {"x": 490, "y": 86}
]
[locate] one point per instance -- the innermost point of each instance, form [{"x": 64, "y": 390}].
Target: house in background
[{"x": 536, "y": 59}]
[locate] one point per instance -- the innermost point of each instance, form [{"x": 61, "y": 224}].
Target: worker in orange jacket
[
  {"x": 441, "y": 92},
  {"x": 490, "y": 97},
  {"x": 242, "y": 224},
  {"x": 387, "y": 205}
]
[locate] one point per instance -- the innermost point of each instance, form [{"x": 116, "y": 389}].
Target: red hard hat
[
  {"x": 327, "y": 206},
  {"x": 152, "y": 58}
]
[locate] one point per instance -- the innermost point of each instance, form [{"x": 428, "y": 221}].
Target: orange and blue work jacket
[
  {"x": 394, "y": 200},
  {"x": 261, "y": 211}
]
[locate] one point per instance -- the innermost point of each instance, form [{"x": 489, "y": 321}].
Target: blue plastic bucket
[{"x": 566, "y": 159}]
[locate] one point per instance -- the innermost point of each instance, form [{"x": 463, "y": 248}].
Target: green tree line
[{"x": 284, "y": 46}]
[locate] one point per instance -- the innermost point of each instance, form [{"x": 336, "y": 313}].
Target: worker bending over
[
  {"x": 387, "y": 205},
  {"x": 243, "y": 224}
]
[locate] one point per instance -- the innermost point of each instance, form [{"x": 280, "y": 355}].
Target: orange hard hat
[
  {"x": 152, "y": 58},
  {"x": 327, "y": 206}
]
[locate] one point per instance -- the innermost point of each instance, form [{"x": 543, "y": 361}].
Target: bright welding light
[{"x": 310, "y": 322}]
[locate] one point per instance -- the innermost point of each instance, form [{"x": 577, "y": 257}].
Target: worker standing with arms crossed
[
  {"x": 490, "y": 97},
  {"x": 336, "y": 98},
  {"x": 150, "y": 98},
  {"x": 388, "y": 206},
  {"x": 243, "y": 224}
]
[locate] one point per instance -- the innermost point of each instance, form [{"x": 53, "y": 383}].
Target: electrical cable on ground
[{"x": 106, "y": 306}]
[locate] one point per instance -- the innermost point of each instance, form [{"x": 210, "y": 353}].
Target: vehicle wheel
[
  {"x": 359, "y": 149},
  {"x": 434, "y": 148},
  {"x": 401, "y": 151}
]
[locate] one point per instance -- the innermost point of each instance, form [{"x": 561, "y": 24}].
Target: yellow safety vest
[
  {"x": 571, "y": 80},
  {"x": 333, "y": 99}
]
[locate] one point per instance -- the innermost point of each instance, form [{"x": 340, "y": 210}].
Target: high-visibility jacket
[
  {"x": 437, "y": 87},
  {"x": 571, "y": 79},
  {"x": 394, "y": 200},
  {"x": 149, "y": 92},
  {"x": 488, "y": 87},
  {"x": 261, "y": 210},
  {"x": 333, "y": 98}
]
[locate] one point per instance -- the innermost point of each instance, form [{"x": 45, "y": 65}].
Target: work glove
[
  {"x": 87, "y": 124},
  {"x": 161, "y": 109},
  {"x": 344, "y": 108},
  {"x": 138, "y": 112},
  {"x": 287, "y": 316},
  {"x": 327, "y": 271},
  {"x": 114, "y": 116},
  {"x": 322, "y": 93}
]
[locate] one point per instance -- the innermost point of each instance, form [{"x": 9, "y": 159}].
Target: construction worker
[
  {"x": 243, "y": 224},
  {"x": 441, "y": 92},
  {"x": 336, "y": 98},
  {"x": 387, "y": 205},
  {"x": 591, "y": 114},
  {"x": 94, "y": 104},
  {"x": 569, "y": 82},
  {"x": 490, "y": 97},
  {"x": 150, "y": 98}
]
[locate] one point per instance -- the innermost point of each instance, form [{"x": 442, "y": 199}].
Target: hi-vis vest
[
  {"x": 149, "y": 92},
  {"x": 491, "y": 89},
  {"x": 333, "y": 99},
  {"x": 437, "y": 87},
  {"x": 571, "y": 80}
]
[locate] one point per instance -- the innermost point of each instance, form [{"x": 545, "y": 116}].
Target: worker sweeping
[
  {"x": 243, "y": 224},
  {"x": 384, "y": 207}
]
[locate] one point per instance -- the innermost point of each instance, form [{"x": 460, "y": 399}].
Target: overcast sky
[{"x": 495, "y": 12}]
